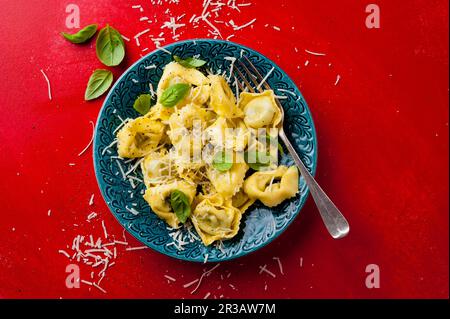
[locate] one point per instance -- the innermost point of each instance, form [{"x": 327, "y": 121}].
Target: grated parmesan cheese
[
  {"x": 64, "y": 253},
  {"x": 264, "y": 269},
  {"x": 86, "y": 282},
  {"x": 205, "y": 274},
  {"x": 236, "y": 28},
  {"x": 135, "y": 248},
  {"x": 105, "y": 233},
  {"x": 279, "y": 264},
  {"x": 338, "y": 79},
  {"x": 190, "y": 283},
  {"x": 315, "y": 53},
  {"x": 265, "y": 78},
  {"x": 109, "y": 146},
  {"x": 132, "y": 210},
  {"x": 287, "y": 91},
  {"x": 99, "y": 288},
  {"x": 91, "y": 200},
  {"x": 49, "y": 89},
  {"x": 90, "y": 141},
  {"x": 170, "y": 278}
]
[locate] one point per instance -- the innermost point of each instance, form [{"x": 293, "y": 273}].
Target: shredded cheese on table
[
  {"x": 236, "y": 28},
  {"x": 136, "y": 248},
  {"x": 104, "y": 229},
  {"x": 264, "y": 269},
  {"x": 280, "y": 266},
  {"x": 49, "y": 89},
  {"x": 91, "y": 200},
  {"x": 90, "y": 141},
  {"x": 315, "y": 53},
  {"x": 170, "y": 278},
  {"x": 338, "y": 78},
  {"x": 205, "y": 274}
]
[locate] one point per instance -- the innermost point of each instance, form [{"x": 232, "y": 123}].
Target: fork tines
[{"x": 251, "y": 73}]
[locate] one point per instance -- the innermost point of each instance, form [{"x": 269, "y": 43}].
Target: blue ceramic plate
[{"x": 259, "y": 225}]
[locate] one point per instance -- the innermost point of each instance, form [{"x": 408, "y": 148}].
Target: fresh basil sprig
[
  {"x": 82, "y": 35},
  {"x": 255, "y": 161},
  {"x": 143, "y": 103},
  {"x": 110, "y": 47},
  {"x": 190, "y": 62},
  {"x": 98, "y": 83},
  {"x": 222, "y": 161},
  {"x": 174, "y": 94},
  {"x": 180, "y": 205}
]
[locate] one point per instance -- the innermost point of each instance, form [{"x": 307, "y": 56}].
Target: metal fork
[{"x": 333, "y": 219}]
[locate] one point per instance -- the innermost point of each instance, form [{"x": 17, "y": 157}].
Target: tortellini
[
  {"x": 214, "y": 219},
  {"x": 176, "y": 73},
  {"x": 139, "y": 136},
  {"x": 199, "y": 95},
  {"x": 159, "y": 112},
  {"x": 155, "y": 166},
  {"x": 260, "y": 109},
  {"x": 228, "y": 183},
  {"x": 187, "y": 115},
  {"x": 231, "y": 134},
  {"x": 241, "y": 201},
  {"x": 184, "y": 124},
  {"x": 179, "y": 144},
  {"x": 272, "y": 187},
  {"x": 158, "y": 197},
  {"x": 222, "y": 99}
]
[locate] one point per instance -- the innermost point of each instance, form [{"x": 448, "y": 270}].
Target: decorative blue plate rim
[{"x": 311, "y": 160}]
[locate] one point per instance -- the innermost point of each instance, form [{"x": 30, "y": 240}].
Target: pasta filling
[{"x": 272, "y": 187}]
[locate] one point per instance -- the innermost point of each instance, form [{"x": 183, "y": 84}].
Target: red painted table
[{"x": 382, "y": 133}]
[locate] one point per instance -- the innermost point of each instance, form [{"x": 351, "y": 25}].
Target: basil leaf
[
  {"x": 110, "y": 47},
  {"x": 143, "y": 103},
  {"x": 280, "y": 149},
  {"x": 180, "y": 205},
  {"x": 82, "y": 35},
  {"x": 254, "y": 160},
  {"x": 222, "y": 161},
  {"x": 270, "y": 138},
  {"x": 99, "y": 83},
  {"x": 174, "y": 94},
  {"x": 191, "y": 63}
]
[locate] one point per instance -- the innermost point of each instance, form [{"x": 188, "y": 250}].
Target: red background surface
[{"x": 383, "y": 151}]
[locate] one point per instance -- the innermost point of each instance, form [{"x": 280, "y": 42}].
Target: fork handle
[{"x": 333, "y": 219}]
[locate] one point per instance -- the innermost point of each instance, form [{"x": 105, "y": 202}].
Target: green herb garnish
[
  {"x": 222, "y": 161},
  {"x": 256, "y": 160},
  {"x": 82, "y": 35},
  {"x": 269, "y": 139},
  {"x": 174, "y": 94},
  {"x": 110, "y": 47},
  {"x": 98, "y": 83},
  {"x": 180, "y": 205},
  {"x": 143, "y": 103},
  {"x": 191, "y": 63}
]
